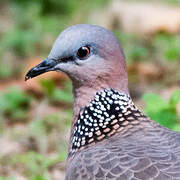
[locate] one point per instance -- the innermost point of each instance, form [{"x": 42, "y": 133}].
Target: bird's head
[{"x": 88, "y": 54}]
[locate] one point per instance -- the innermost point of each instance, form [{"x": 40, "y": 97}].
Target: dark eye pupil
[{"x": 83, "y": 52}]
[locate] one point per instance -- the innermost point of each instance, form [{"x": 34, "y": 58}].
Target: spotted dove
[{"x": 110, "y": 137}]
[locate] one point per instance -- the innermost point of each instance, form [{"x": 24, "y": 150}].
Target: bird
[{"x": 110, "y": 138}]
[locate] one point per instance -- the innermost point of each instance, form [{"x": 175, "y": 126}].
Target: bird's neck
[
  {"x": 83, "y": 94},
  {"x": 106, "y": 113}
]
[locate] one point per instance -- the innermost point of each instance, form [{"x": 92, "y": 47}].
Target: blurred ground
[{"x": 35, "y": 116}]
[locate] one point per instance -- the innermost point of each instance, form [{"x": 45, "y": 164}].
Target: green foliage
[
  {"x": 25, "y": 32},
  {"x": 163, "y": 112},
  {"x": 14, "y": 104},
  {"x": 44, "y": 125},
  {"x": 168, "y": 2},
  {"x": 172, "y": 2},
  {"x": 5, "y": 69},
  {"x": 49, "y": 123},
  {"x": 56, "y": 95},
  {"x": 161, "y": 46},
  {"x": 137, "y": 53},
  {"x": 48, "y": 87},
  {"x": 6, "y": 178},
  {"x": 36, "y": 165},
  {"x": 64, "y": 95},
  {"x": 48, "y": 7},
  {"x": 167, "y": 46},
  {"x": 134, "y": 46},
  {"x": 43, "y": 128},
  {"x": 20, "y": 41},
  {"x": 37, "y": 18},
  {"x": 175, "y": 98}
]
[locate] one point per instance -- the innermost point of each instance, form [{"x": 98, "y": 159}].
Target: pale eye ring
[{"x": 83, "y": 52}]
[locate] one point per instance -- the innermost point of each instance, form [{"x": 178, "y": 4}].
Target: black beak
[{"x": 44, "y": 66}]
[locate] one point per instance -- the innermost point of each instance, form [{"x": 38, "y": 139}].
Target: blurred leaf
[
  {"x": 167, "y": 45},
  {"x": 44, "y": 125},
  {"x": 5, "y": 70},
  {"x": 60, "y": 158},
  {"x": 177, "y": 127},
  {"x": 172, "y": 2},
  {"x": 14, "y": 103},
  {"x": 38, "y": 177},
  {"x": 6, "y": 178},
  {"x": 161, "y": 111},
  {"x": 172, "y": 53},
  {"x": 19, "y": 41},
  {"x": 133, "y": 45},
  {"x": 137, "y": 53},
  {"x": 175, "y": 98},
  {"x": 48, "y": 86},
  {"x": 154, "y": 102},
  {"x": 35, "y": 163},
  {"x": 63, "y": 95},
  {"x": 1, "y": 126}
]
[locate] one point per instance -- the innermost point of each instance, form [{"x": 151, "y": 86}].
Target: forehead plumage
[{"x": 72, "y": 38}]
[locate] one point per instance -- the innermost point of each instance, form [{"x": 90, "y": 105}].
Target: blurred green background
[{"x": 35, "y": 117}]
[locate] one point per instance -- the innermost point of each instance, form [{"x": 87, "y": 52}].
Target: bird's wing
[{"x": 134, "y": 159}]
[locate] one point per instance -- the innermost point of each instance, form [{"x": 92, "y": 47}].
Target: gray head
[{"x": 90, "y": 55}]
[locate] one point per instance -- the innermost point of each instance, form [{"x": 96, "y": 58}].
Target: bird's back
[{"x": 150, "y": 153}]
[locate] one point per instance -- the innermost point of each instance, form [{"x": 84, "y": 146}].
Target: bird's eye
[{"x": 83, "y": 52}]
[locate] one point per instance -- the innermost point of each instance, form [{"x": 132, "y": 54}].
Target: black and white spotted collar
[{"x": 109, "y": 112}]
